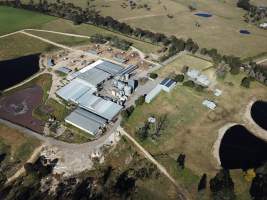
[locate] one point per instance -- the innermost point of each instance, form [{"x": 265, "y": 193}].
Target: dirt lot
[{"x": 18, "y": 107}]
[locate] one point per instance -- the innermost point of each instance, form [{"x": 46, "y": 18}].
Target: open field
[
  {"x": 191, "y": 128},
  {"x": 12, "y": 19},
  {"x": 61, "y": 39},
  {"x": 62, "y": 25},
  {"x": 21, "y": 45},
  {"x": 220, "y": 31},
  {"x": 16, "y": 145},
  {"x": 184, "y": 60}
]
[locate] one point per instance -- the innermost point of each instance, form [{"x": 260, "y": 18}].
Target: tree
[
  {"x": 140, "y": 101},
  {"x": 3, "y": 178},
  {"x": 179, "y": 78},
  {"x": 189, "y": 84},
  {"x": 222, "y": 186},
  {"x": 245, "y": 82},
  {"x": 153, "y": 75},
  {"x": 258, "y": 189},
  {"x": 181, "y": 160},
  {"x": 202, "y": 183},
  {"x": 244, "y": 4},
  {"x": 143, "y": 131}
]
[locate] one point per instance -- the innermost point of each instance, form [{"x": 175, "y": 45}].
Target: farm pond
[
  {"x": 240, "y": 149},
  {"x": 17, "y": 70}
]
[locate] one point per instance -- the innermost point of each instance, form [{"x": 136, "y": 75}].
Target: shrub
[
  {"x": 179, "y": 78},
  {"x": 140, "y": 101},
  {"x": 189, "y": 84},
  {"x": 153, "y": 75},
  {"x": 245, "y": 82}
]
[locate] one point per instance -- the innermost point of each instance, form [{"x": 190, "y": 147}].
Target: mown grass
[
  {"x": 12, "y": 19},
  {"x": 21, "y": 45},
  {"x": 62, "y": 25},
  {"x": 62, "y": 39},
  {"x": 184, "y": 60}
]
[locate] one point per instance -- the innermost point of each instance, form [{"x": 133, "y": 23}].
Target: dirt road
[
  {"x": 183, "y": 194},
  {"x": 59, "y": 33},
  {"x": 21, "y": 171}
]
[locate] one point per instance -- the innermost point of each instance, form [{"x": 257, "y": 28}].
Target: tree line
[{"x": 90, "y": 16}]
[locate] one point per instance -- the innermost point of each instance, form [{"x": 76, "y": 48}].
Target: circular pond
[
  {"x": 259, "y": 113},
  {"x": 240, "y": 149}
]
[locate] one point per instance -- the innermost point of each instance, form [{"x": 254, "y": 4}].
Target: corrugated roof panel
[
  {"x": 109, "y": 67},
  {"x": 74, "y": 90},
  {"x": 94, "y": 76},
  {"x": 84, "y": 121}
]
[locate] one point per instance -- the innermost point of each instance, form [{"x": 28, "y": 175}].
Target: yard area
[
  {"x": 184, "y": 60},
  {"x": 12, "y": 19},
  {"x": 17, "y": 148}
]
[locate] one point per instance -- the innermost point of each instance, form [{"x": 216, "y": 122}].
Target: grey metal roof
[
  {"x": 86, "y": 121},
  {"x": 153, "y": 93},
  {"x": 104, "y": 108},
  {"x": 74, "y": 90},
  {"x": 94, "y": 76},
  {"x": 109, "y": 67},
  {"x": 128, "y": 70},
  {"x": 64, "y": 70}
]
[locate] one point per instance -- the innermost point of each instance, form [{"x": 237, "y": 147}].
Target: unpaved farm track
[{"x": 182, "y": 194}]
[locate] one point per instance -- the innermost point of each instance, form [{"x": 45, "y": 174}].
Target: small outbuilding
[{"x": 209, "y": 104}]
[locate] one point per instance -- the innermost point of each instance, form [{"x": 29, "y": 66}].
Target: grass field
[
  {"x": 191, "y": 128},
  {"x": 21, "y": 45},
  {"x": 12, "y": 19},
  {"x": 184, "y": 60},
  {"x": 62, "y": 25},
  {"x": 17, "y": 146},
  {"x": 221, "y": 31}
]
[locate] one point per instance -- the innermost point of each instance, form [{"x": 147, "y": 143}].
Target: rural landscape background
[{"x": 191, "y": 152}]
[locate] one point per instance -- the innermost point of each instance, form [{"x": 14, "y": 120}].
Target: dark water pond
[
  {"x": 16, "y": 70},
  {"x": 241, "y": 150},
  {"x": 203, "y": 14},
  {"x": 246, "y": 32},
  {"x": 259, "y": 113}
]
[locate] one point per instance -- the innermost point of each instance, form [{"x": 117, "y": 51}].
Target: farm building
[
  {"x": 94, "y": 77},
  {"x": 197, "y": 77},
  {"x": 166, "y": 85},
  {"x": 86, "y": 121},
  {"x": 97, "y": 72},
  {"x": 101, "y": 107},
  {"x": 74, "y": 90},
  {"x": 209, "y": 104},
  {"x": 64, "y": 70},
  {"x": 153, "y": 93},
  {"x": 263, "y": 25}
]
